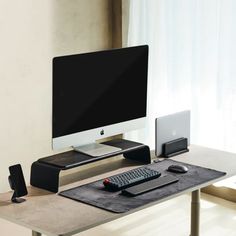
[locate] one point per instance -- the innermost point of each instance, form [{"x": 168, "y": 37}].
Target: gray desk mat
[{"x": 94, "y": 193}]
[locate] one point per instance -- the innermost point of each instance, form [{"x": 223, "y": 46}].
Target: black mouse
[{"x": 177, "y": 168}]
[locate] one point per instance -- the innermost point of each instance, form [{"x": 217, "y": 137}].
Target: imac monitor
[{"x": 97, "y": 95}]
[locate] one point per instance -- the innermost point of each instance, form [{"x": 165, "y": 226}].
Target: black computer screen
[{"x": 96, "y": 89}]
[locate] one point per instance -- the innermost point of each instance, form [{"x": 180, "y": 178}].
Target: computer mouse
[{"x": 177, "y": 168}]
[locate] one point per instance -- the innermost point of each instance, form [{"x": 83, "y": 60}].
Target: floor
[{"x": 218, "y": 218}]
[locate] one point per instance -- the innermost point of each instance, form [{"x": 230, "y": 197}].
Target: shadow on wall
[{"x": 81, "y": 26}]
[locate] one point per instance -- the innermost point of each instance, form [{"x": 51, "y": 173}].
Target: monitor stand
[{"x": 97, "y": 149}]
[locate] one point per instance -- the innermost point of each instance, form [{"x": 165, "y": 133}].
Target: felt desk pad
[{"x": 96, "y": 195}]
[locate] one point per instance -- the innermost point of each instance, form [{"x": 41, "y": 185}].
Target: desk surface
[{"x": 51, "y": 214}]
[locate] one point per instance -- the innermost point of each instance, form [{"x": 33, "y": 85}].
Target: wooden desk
[{"x": 53, "y": 215}]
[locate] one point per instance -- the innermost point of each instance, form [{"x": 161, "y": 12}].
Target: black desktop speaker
[{"x": 17, "y": 183}]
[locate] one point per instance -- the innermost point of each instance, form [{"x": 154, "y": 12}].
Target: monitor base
[
  {"x": 97, "y": 149},
  {"x": 18, "y": 200}
]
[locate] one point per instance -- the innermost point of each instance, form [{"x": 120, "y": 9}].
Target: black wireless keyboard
[
  {"x": 130, "y": 178},
  {"x": 150, "y": 185}
]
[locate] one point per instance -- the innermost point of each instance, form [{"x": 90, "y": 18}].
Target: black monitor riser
[{"x": 45, "y": 172}]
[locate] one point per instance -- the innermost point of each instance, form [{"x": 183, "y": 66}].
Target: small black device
[
  {"x": 17, "y": 183},
  {"x": 150, "y": 185},
  {"x": 130, "y": 178},
  {"x": 175, "y": 147},
  {"x": 177, "y": 169}
]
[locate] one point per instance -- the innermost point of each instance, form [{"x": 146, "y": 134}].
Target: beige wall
[
  {"x": 125, "y": 21},
  {"x": 31, "y": 33}
]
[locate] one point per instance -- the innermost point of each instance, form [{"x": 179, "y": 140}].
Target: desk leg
[
  {"x": 195, "y": 213},
  {"x": 34, "y": 233}
]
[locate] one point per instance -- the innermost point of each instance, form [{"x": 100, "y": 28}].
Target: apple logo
[
  {"x": 102, "y": 132},
  {"x": 174, "y": 132}
]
